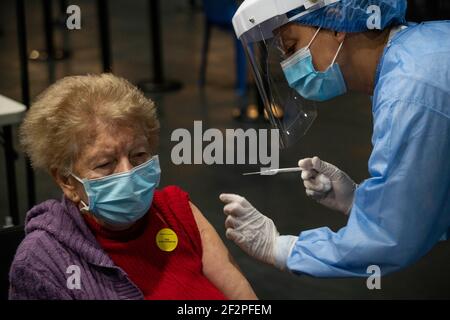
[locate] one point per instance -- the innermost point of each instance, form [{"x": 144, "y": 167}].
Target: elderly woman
[{"x": 113, "y": 235}]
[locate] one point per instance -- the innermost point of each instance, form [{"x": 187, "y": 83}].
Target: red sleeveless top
[{"x": 159, "y": 274}]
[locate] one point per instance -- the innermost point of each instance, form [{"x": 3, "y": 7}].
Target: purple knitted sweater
[{"x": 56, "y": 238}]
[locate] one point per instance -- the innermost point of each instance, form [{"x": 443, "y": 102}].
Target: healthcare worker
[{"x": 304, "y": 52}]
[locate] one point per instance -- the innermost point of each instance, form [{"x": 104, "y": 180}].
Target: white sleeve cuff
[{"x": 283, "y": 249}]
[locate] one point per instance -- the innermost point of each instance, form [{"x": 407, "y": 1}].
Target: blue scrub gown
[{"x": 403, "y": 209}]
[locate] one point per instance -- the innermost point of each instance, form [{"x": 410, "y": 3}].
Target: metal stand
[
  {"x": 50, "y": 54},
  {"x": 158, "y": 84},
  {"x": 22, "y": 41},
  {"x": 105, "y": 41},
  {"x": 10, "y": 158}
]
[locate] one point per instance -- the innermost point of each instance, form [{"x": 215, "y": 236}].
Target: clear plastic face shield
[{"x": 287, "y": 110}]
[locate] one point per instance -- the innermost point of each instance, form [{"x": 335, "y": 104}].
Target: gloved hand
[
  {"x": 255, "y": 233},
  {"x": 327, "y": 184}
]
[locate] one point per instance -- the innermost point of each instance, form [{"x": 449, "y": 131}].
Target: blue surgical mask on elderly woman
[
  {"x": 122, "y": 198},
  {"x": 309, "y": 83}
]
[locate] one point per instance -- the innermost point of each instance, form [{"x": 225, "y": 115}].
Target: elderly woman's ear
[{"x": 67, "y": 185}]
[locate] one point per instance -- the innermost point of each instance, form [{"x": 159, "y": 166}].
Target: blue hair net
[{"x": 353, "y": 15}]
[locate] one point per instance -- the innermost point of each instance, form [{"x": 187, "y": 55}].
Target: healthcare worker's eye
[{"x": 290, "y": 51}]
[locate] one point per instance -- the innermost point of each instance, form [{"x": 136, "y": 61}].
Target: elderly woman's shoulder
[
  {"x": 48, "y": 206},
  {"x": 42, "y": 226},
  {"x": 32, "y": 249},
  {"x": 32, "y": 264},
  {"x": 37, "y": 271},
  {"x": 171, "y": 192}
]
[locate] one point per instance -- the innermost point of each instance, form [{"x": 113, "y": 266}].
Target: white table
[{"x": 11, "y": 112}]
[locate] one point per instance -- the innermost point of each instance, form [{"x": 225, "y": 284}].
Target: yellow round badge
[{"x": 166, "y": 239}]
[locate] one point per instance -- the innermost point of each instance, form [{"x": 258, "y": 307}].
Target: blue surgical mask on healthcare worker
[
  {"x": 309, "y": 83},
  {"x": 123, "y": 198}
]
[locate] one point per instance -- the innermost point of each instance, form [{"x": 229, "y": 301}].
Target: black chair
[{"x": 10, "y": 238}]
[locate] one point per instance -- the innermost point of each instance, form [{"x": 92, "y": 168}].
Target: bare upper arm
[{"x": 218, "y": 265}]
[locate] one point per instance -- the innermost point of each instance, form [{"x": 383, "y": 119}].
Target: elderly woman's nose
[{"x": 124, "y": 165}]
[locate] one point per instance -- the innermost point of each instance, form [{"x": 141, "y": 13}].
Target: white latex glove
[
  {"x": 327, "y": 184},
  {"x": 255, "y": 233}
]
